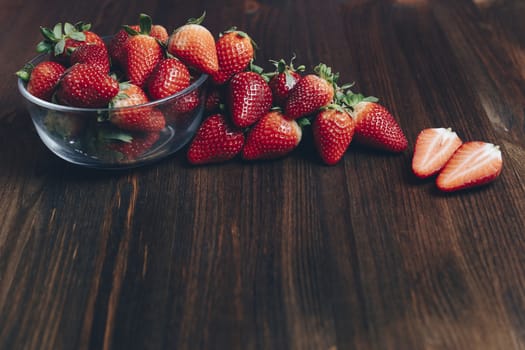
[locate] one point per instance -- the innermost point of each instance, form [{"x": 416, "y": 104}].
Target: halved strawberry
[
  {"x": 434, "y": 147},
  {"x": 193, "y": 44},
  {"x": 83, "y": 85},
  {"x": 333, "y": 129},
  {"x": 216, "y": 141},
  {"x": 249, "y": 98},
  {"x": 473, "y": 164},
  {"x": 234, "y": 53},
  {"x": 42, "y": 79},
  {"x": 273, "y": 136}
]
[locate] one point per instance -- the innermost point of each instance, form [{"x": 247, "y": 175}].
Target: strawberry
[
  {"x": 141, "y": 53},
  {"x": 333, "y": 129},
  {"x": 434, "y": 147},
  {"x": 473, "y": 164},
  {"x": 145, "y": 119},
  {"x": 216, "y": 141},
  {"x": 194, "y": 45},
  {"x": 116, "y": 43},
  {"x": 273, "y": 136},
  {"x": 168, "y": 77},
  {"x": 62, "y": 38},
  {"x": 134, "y": 146},
  {"x": 42, "y": 79},
  {"x": 187, "y": 103},
  {"x": 283, "y": 80},
  {"x": 95, "y": 55},
  {"x": 249, "y": 98},
  {"x": 376, "y": 127},
  {"x": 234, "y": 53},
  {"x": 311, "y": 92},
  {"x": 214, "y": 99},
  {"x": 83, "y": 85}
]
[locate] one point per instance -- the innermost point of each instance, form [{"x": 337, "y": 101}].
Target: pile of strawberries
[{"x": 250, "y": 114}]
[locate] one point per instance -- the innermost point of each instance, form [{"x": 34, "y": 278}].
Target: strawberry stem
[{"x": 197, "y": 20}]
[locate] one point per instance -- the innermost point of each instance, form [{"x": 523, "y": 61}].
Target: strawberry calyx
[
  {"x": 350, "y": 99},
  {"x": 325, "y": 72},
  {"x": 55, "y": 39},
  {"x": 282, "y": 67},
  {"x": 25, "y": 72},
  {"x": 145, "y": 25},
  {"x": 198, "y": 20},
  {"x": 241, "y": 34}
]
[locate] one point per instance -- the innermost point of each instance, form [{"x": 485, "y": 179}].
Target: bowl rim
[{"x": 64, "y": 108}]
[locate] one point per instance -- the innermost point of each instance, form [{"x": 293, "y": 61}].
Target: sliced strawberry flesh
[
  {"x": 474, "y": 163},
  {"x": 434, "y": 147}
]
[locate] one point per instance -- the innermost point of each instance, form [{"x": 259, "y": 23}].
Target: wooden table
[{"x": 285, "y": 254}]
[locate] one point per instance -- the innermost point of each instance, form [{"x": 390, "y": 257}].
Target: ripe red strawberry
[
  {"x": 194, "y": 45},
  {"x": 473, "y": 164},
  {"x": 216, "y": 141},
  {"x": 95, "y": 55},
  {"x": 376, "y": 127},
  {"x": 116, "y": 43},
  {"x": 141, "y": 54},
  {"x": 186, "y": 103},
  {"x": 434, "y": 147},
  {"x": 234, "y": 54},
  {"x": 249, "y": 98},
  {"x": 214, "y": 99},
  {"x": 283, "y": 80},
  {"x": 333, "y": 129},
  {"x": 311, "y": 92},
  {"x": 83, "y": 85},
  {"x": 145, "y": 119},
  {"x": 42, "y": 79},
  {"x": 62, "y": 38},
  {"x": 273, "y": 136},
  {"x": 169, "y": 77},
  {"x": 134, "y": 148}
]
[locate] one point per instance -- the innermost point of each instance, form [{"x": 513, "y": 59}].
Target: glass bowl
[{"x": 85, "y": 137}]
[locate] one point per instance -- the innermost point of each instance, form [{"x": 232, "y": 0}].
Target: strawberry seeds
[{"x": 249, "y": 114}]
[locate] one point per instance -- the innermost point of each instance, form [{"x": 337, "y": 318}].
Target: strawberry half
[
  {"x": 216, "y": 141},
  {"x": 474, "y": 164},
  {"x": 194, "y": 45},
  {"x": 249, "y": 98},
  {"x": 83, "y": 85},
  {"x": 234, "y": 53},
  {"x": 376, "y": 127},
  {"x": 42, "y": 79},
  {"x": 434, "y": 147},
  {"x": 311, "y": 92},
  {"x": 168, "y": 77},
  {"x": 333, "y": 129},
  {"x": 273, "y": 136}
]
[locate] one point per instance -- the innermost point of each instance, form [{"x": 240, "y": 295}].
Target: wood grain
[{"x": 285, "y": 254}]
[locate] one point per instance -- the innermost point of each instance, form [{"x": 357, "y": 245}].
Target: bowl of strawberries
[{"x": 114, "y": 102}]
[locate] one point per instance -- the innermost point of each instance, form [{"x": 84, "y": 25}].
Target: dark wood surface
[{"x": 286, "y": 254}]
